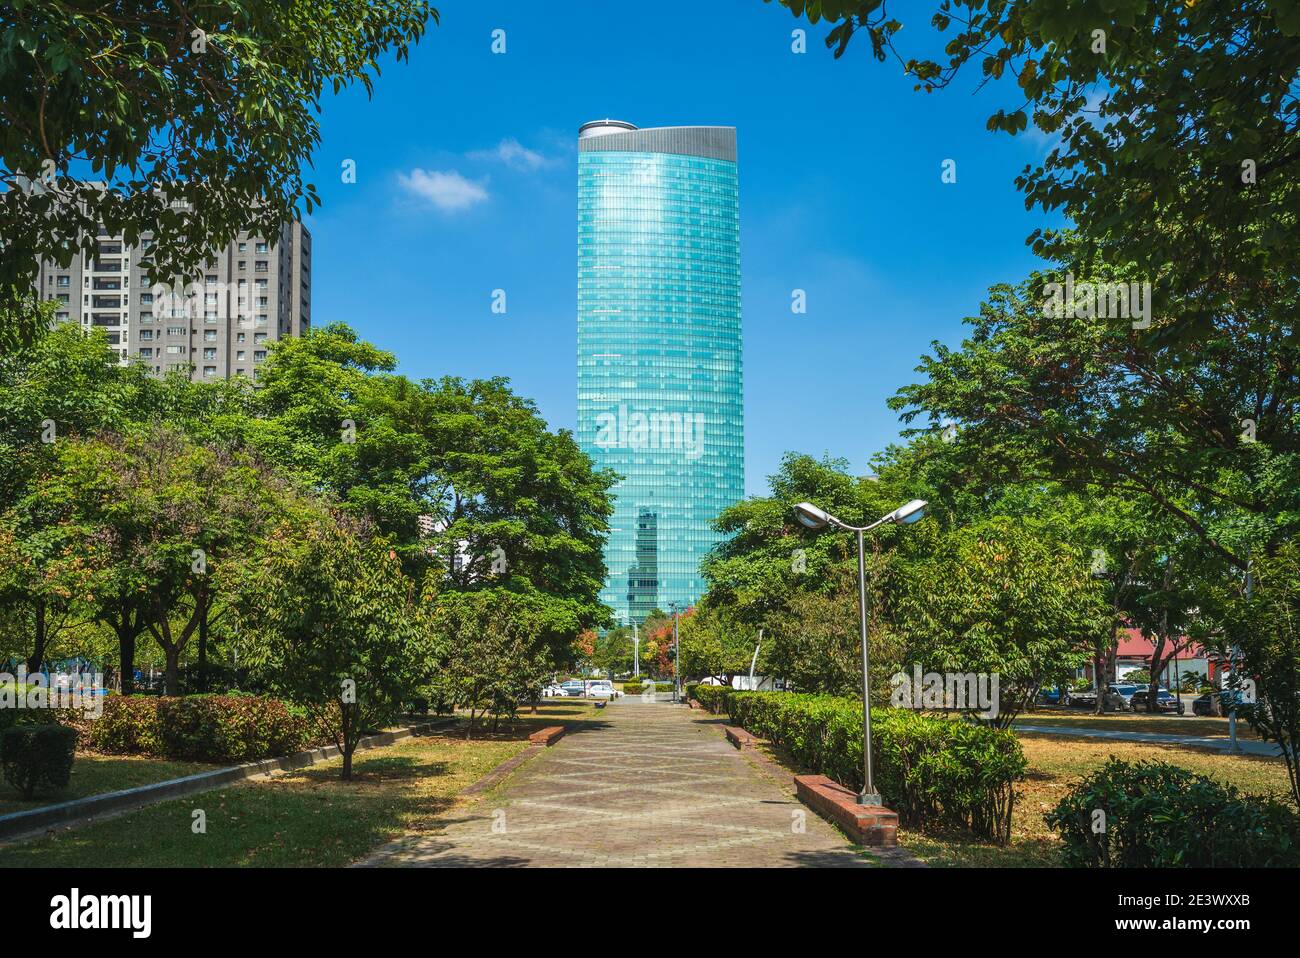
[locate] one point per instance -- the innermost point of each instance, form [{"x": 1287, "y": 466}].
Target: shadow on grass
[{"x": 306, "y": 818}]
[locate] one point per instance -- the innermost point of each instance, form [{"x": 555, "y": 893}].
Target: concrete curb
[{"x": 36, "y": 821}]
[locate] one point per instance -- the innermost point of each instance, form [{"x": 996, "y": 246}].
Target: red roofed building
[{"x": 1135, "y": 650}]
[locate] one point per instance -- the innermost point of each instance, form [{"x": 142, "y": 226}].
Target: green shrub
[
  {"x": 38, "y": 757},
  {"x": 219, "y": 728},
  {"x": 1158, "y": 815},
  {"x": 201, "y": 728},
  {"x": 128, "y": 726},
  {"x": 11, "y": 714},
  {"x": 934, "y": 771},
  {"x": 712, "y": 697},
  {"x": 636, "y": 688}
]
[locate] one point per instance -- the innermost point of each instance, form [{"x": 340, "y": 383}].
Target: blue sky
[{"x": 466, "y": 169}]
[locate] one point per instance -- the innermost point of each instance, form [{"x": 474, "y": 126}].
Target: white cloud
[
  {"x": 448, "y": 191},
  {"x": 513, "y": 154}
]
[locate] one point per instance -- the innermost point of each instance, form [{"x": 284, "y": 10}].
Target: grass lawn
[
  {"x": 94, "y": 774},
  {"x": 1055, "y": 763},
  {"x": 1206, "y": 726},
  {"x": 303, "y": 818}
]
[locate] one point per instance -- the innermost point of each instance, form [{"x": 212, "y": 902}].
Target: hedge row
[
  {"x": 934, "y": 771},
  {"x": 200, "y": 728},
  {"x": 636, "y": 688},
  {"x": 1157, "y": 815}
]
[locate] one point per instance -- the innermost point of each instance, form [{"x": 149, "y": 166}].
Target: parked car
[
  {"x": 1203, "y": 704},
  {"x": 1166, "y": 701},
  {"x": 573, "y": 688},
  {"x": 602, "y": 689},
  {"x": 1081, "y": 697},
  {"x": 1050, "y": 696},
  {"x": 1119, "y": 695},
  {"x": 551, "y": 690}
]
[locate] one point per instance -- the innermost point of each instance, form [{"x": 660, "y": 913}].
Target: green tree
[
  {"x": 462, "y": 475},
  {"x": 1006, "y": 597},
  {"x": 614, "y": 652},
  {"x": 329, "y": 620},
  {"x": 1180, "y": 115},
  {"x": 1203, "y": 434},
  {"x": 492, "y": 655},
  {"x": 715, "y": 644},
  {"x": 1265, "y": 627},
  {"x": 199, "y": 118}
]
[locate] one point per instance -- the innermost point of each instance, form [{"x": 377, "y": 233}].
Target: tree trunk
[
  {"x": 172, "y": 675},
  {"x": 350, "y": 721},
  {"x": 1099, "y": 679},
  {"x": 38, "y": 650},
  {"x": 126, "y": 648},
  {"x": 203, "y": 645}
]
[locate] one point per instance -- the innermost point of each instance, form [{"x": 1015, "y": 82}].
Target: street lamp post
[
  {"x": 677, "y": 660},
  {"x": 636, "y": 651},
  {"x": 815, "y": 518}
]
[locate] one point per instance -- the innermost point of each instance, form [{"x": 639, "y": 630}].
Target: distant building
[
  {"x": 215, "y": 325},
  {"x": 659, "y": 349}
]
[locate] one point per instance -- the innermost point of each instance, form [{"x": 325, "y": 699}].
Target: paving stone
[{"x": 650, "y": 785}]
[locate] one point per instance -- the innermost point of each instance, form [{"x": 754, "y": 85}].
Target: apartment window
[
  {"x": 177, "y": 330},
  {"x": 259, "y": 337},
  {"x": 176, "y": 350},
  {"x": 61, "y": 317},
  {"x": 146, "y": 299},
  {"x": 261, "y": 285},
  {"x": 243, "y": 264},
  {"x": 210, "y": 335},
  {"x": 240, "y": 355},
  {"x": 147, "y": 352},
  {"x": 263, "y": 248},
  {"x": 63, "y": 282},
  {"x": 259, "y": 355},
  {"x": 261, "y": 319},
  {"x": 146, "y": 335},
  {"x": 259, "y": 266},
  {"x": 243, "y": 247},
  {"x": 209, "y": 370},
  {"x": 239, "y": 337},
  {"x": 62, "y": 298},
  {"x": 210, "y": 352},
  {"x": 261, "y": 301}
]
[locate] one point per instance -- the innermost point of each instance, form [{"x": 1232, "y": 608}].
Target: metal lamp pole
[
  {"x": 815, "y": 518},
  {"x": 636, "y": 651},
  {"x": 677, "y": 661}
]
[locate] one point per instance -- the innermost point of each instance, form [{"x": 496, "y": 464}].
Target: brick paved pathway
[{"x": 650, "y": 785}]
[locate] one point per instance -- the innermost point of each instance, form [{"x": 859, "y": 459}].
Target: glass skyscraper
[{"x": 659, "y": 355}]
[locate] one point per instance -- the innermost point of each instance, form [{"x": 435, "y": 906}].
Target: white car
[
  {"x": 602, "y": 690},
  {"x": 553, "y": 691}
]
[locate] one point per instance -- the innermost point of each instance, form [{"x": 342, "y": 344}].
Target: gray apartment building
[{"x": 214, "y": 325}]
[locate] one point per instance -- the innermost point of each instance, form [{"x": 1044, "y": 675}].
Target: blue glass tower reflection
[{"x": 659, "y": 348}]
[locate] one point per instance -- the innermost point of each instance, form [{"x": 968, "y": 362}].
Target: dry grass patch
[{"x": 1056, "y": 762}]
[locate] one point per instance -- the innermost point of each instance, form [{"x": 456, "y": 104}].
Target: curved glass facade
[{"x": 659, "y": 349}]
